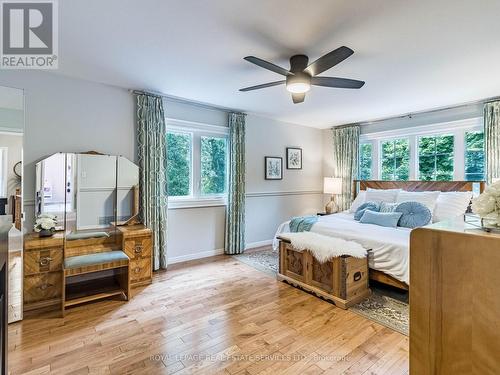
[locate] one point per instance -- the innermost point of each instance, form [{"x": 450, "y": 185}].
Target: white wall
[{"x": 73, "y": 115}]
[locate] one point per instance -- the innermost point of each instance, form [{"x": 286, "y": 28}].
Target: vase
[{"x": 45, "y": 233}]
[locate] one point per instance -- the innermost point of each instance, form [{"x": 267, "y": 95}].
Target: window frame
[
  {"x": 456, "y": 128},
  {"x": 379, "y": 161},
  {"x": 465, "y": 152},
  {"x": 198, "y": 130},
  {"x": 417, "y": 161}
]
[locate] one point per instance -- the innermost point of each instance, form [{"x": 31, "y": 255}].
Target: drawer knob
[
  {"x": 45, "y": 286},
  {"x": 137, "y": 269},
  {"x": 138, "y": 249},
  {"x": 45, "y": 261}
]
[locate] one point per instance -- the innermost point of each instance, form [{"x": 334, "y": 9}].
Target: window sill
[{"x": 180, "y": 203}]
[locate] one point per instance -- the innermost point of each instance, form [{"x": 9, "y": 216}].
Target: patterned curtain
[
  {"x": 345, "y": 160},
  {"x": 235, "y": 215},
  {"x": 492, "y": 139},
  {"x": 152, "y": 153}
]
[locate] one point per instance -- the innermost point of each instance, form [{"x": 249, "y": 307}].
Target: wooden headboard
[{"x": 417, "y": 185}]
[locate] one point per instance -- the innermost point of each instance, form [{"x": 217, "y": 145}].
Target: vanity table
[{"x": 99, "y": 249}]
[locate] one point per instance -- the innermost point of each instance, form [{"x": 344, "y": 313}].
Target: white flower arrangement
[
  {"x": 45, "y": 222},
  {"x": 487, "y": 205}
]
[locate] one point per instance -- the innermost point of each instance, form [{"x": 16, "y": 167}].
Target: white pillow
[
  {"x": 451, "y": 204},
  {"x": 427, "y": 198},
  {"x": 387, "y": 195},
  {"x": 360, "y": 199}
]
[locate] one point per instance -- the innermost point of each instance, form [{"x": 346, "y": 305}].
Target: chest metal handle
[
  {"x": 137, "y": 269},
  {"x": 45, "y": 286},
  {"x": 138, "y": 249},
  {"x": 44, "y": 261}
]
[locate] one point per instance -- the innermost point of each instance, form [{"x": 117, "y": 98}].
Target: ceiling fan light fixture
[
  {"x": 299, "y": 83},
  {"x": 298, "y": 87}
]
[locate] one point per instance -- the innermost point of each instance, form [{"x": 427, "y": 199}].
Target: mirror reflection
[
  {"x": 11, "y": 151},
  {"x": 89, "y": 193}
]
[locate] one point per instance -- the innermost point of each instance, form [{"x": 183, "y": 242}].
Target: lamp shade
[
  {"x": 494, "y": 180},
  {"x": 332, "y": 185}
]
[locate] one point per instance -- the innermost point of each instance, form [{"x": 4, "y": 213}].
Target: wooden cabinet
[
  {"x": 43, "y": 271},
  {"x": 138, "y": 245},
  {"x": 454, "y": 300},
  {"x": 342, "y": 280}
]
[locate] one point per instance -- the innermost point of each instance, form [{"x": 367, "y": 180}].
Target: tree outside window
[
  {"x": 395, "y": 159},
  {"x": 435, "y": 158},
  {"x": 474, "y": 156}
]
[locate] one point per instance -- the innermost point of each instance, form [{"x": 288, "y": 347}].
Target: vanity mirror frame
[{"x": 125, "y": 193}]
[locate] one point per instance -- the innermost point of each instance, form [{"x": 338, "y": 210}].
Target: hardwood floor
[{"x": 216, "y": 316}]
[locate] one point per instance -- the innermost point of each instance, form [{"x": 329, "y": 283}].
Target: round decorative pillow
[
  {"x": 367, "y": 206},
  {"x": 414, "y": 214}
]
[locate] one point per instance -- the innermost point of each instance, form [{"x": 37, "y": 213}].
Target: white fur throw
[{"x": 324, "y": 248}]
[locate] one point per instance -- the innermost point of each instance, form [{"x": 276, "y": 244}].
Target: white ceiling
[{"x": 413, "y": 54}]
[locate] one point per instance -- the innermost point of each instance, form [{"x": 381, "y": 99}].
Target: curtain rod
[
  {"x": 186, "y": 101},
  {"x": 411, "y": 114}
]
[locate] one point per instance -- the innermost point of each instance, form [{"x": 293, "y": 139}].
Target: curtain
[
  {"x": 345, "y": 160},
  {"x": 152, "y": 155},
  {"x": 235, "y": 213},
  {"x": 492, "y": 140}
]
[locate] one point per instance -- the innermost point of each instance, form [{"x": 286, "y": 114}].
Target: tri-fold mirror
[{"x": 87, "y": 191}]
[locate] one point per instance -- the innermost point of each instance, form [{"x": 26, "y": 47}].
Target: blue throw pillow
[
  {"x": 367, "y": 206},
  {"x": 414, "y": 214},
  {"x": 384, "y": 219}
]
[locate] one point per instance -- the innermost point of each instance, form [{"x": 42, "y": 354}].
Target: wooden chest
[{"x": 342, "y": 280}]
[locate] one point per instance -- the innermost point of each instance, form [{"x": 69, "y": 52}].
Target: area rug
[{"x": 386, "y": 305}]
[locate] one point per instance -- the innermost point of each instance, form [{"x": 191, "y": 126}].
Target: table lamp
[{"x": 333, "y": 186}]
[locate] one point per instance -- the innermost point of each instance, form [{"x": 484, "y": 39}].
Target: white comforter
[{"x": 389, "y": 246}]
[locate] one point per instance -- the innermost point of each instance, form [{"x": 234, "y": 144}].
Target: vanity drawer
[
  {"x": 44, "y": 260},
  {"x": 42, "y": 287},
  {"x": 140, "y": 269},
  {"x": 138, "y": 247}
]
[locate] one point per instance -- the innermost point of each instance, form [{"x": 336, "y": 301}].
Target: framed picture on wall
[
  {"x": 274, "y": 168},
  {"x": 293, "y": 158}
]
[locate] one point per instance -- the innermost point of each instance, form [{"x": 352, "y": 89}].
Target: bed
[{"x": 389, "y": 255}]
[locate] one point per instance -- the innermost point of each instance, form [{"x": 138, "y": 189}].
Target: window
[
  {"x": 197, "y": 164},
  {"x": 395, "y": 159},
  {"x": 474, "y": 156},
  {"x": 365, "y": 161},
  {"x": 435, "y": 158},
  {"x": 213, "y": 165},
  {"x": 179, "y": 164},
  {"x": 445, "y": 151}
]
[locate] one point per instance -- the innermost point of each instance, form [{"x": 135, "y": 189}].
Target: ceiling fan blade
[
  {"x": 298, "y": 98},
  {"x": 267, "y": 65},
  {"x": 263, "y": 86},
  {"x": 329, "y": 60},
  {"x": 343, "y": 83}
]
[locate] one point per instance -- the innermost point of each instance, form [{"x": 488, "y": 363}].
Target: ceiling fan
[{"x": 301, "y": 76}]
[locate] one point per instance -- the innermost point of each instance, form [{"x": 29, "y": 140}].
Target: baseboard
[
  {"x": 253, "y": 245},
  {"x": 203, "y": 254}
]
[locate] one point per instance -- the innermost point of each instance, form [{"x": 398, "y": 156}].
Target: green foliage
[
  {"x": 474, "y": 156},
  {"x": 396, "y": 159},
  {"x": 179, "y": 164},
  {"x": 213, "y": 165},
  {"x": 435, "y": 158},
  {"x": 365, "y": 161}
]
